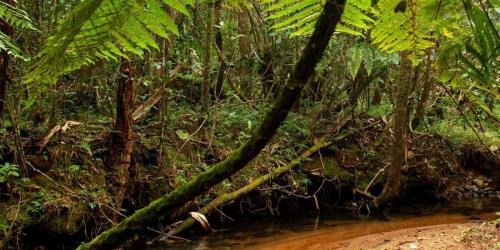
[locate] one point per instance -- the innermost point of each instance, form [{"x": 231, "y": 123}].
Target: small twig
[
  {"x": 185, "y": 142},
  {"x": 375, "y": 177},
  {"x": 50, "y": 179},
  {"x": 168, "y": 235},
  {"x": 222, "y": 213},
  {"x": 364, "y": 194}
]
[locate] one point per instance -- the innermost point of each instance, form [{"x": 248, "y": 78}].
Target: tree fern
[
  {"x": 104, "y": 30},
  {"x": 392, "y": 30},
  {"x": 373, "y": 59},
  {"x": 18, "y": 19},
  {"x": 299, "y": 16},
  {"x": 404, "y": 25}
]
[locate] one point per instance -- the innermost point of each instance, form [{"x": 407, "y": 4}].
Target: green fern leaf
[{"x": 104, "y": 30}]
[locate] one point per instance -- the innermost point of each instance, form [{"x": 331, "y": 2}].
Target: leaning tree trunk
[
  {"x": 4, "y": 63},
  {"x": 392, "y": 184},
  {"x": 158, "y": 211},
  {"x": 121, "y": 138}
]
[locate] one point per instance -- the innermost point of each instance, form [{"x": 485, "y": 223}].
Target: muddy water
[{"x": 326, "y": 228}]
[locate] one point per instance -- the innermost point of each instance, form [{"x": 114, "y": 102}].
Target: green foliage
[
  {"x": 300, "y": 16},
  {"x": 17, "y": 18},
  {"x": 36, "y": 207},
  {"x": 476, "y": 55},
  {"x": 380, "y": 110},
  {"x": 74, "y": 169},
  {"x": 4, "y": 226},
  {"x": 457, "y": 131},
  {"x": 7, "y": 171},
  {"x": 374, "y": 61},
  {"x": 404, "y": 25},
  {"x": 104, "y": 30},
  {"x": 392, "y": 29},
  {"x": 355, "y": 56}
]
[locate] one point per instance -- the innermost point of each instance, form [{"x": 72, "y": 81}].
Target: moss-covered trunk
[
  {"x": 158, "y": 210},
  {"x": 392, "y": 184}
]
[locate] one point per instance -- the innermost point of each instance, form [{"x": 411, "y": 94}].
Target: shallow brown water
[
  {"x": 328, "y": 236},
  {"x": 309, "y": 232}
]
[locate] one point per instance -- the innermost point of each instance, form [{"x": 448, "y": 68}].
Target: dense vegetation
[{"x": 118, "y": 117}]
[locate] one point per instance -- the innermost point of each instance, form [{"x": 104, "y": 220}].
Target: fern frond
[
  {"x": 17, "y": 18},
  {"x": 104, "y": 30},
  {"x": 7, "y": 45},
  {"x": 404, "y": 30},
  {"x": 299, "y": 16}
]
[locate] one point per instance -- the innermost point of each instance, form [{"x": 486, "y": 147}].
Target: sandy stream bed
[{"x": 439, "y": 235}]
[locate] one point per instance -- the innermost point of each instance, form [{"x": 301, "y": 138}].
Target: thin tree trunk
[
  {"x": 426, "y": 91},
  {"x": 220, "y": 51},
  {"x": 377, "y": 95},
  {"x": 158, "y": 211},
  {"x": 205, "y": 87},
  {"x": 244, "y": 44},
  {"x": 244, "y": 47},
  {"x": 392, "y": 184},
  {"x": 4, "y": 63},
  {"x": 359, "y": 84},
  {"x": 121, "y": 138}
]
